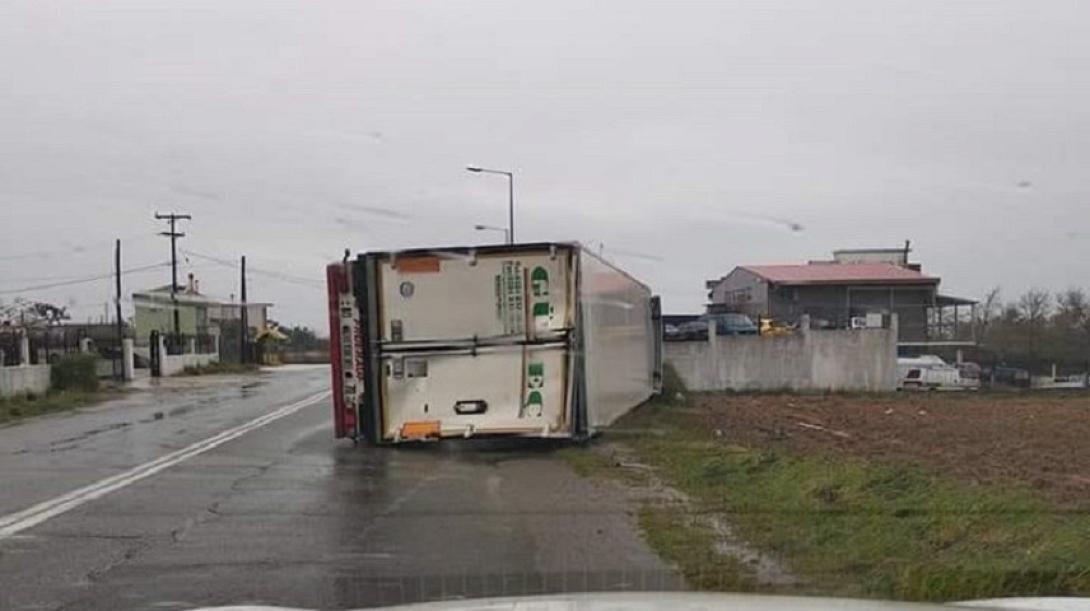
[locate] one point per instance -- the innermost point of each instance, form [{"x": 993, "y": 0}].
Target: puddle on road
[
  {"x": 179, "y": 411},
  {"x": 249, "y": 389},
  {"x": 92, "y": 432}
]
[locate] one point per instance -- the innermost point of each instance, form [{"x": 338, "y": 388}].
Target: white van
[{"x": 930, "y": 372}]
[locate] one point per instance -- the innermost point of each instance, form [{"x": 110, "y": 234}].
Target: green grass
[
  {"x": 849, "y": 527},
  {"x": 681, "y": 537},
  {"x": 219, "y": 368},
  {"x": 584, "y": 461},
  {"x": 27, "y": 406}
]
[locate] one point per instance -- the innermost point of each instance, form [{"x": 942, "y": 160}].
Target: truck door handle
[{"x": 475, "y": 406}]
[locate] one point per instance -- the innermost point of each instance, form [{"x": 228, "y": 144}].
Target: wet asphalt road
[{"x": 286, "y": 515}]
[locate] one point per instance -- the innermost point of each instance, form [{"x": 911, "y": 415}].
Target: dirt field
[{"x": 1041, "y": 439}]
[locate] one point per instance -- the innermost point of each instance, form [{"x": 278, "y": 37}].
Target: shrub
[
  {"x": 671, "y": 381},
  {"x": 74, "y": 372}
]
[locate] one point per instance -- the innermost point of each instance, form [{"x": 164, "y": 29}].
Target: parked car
[
  {"x": 1011, "y": 376},
  {"x": 930, "y": 372},
  {"x": 725, "y": 324}
]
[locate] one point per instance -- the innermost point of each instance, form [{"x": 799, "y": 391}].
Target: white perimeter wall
[
  {"x": 22, "y": 379},
  {"x": 842, "y": 360}
]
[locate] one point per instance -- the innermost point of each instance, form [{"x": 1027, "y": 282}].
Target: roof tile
[{"x": 836, "y": 273}]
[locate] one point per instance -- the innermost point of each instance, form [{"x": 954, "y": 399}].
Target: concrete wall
[
  {"x": 22, "y": 379},
  {"x": 175, "y": 363},
  {"x": 171, "y": 364},
  {"x": 841, "y": 360}
]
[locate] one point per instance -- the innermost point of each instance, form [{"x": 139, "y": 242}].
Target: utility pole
[
  {"x": 174, "y": 235},
  {"x": 243, "y": 317},
  {"x": 117, "y": 309},
  {"x": 510, "y": 197}
]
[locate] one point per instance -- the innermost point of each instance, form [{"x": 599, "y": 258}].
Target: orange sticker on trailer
[
  {"x": 420, "y": 429},
  {"x": 418, "y": 265}
]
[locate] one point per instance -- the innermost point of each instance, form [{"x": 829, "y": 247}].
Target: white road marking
[{"x": 19, "y": 521}]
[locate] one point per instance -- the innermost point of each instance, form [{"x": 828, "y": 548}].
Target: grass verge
[
  {"x": 219, "y": 368},
  {"x": 27, "y": 406},
  {"x": 846, "y": 526},
  {"x": 690, "y": 542}
]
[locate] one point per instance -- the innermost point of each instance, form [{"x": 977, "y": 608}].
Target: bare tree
[
  {"x": 1070, "y": 329},
  {"x": 24, "y": 313},
  {"x": 987, "y": 311},
  {"x": 1034, "y": 307},
  {"x": 1072, "y": 308}
]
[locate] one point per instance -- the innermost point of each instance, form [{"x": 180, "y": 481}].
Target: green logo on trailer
[
  {"x": 539, "y": 286},
  {"x": 535, "y": 371},
  {"x": 535, "y": 384},
  {"x": 539, "y": 281}
]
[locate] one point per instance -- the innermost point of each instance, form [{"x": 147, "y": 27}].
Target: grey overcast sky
[{"x": 689, "y": 132}]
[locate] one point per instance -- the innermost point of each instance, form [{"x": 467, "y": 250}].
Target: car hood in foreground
[{"x": 706, "y": 601}]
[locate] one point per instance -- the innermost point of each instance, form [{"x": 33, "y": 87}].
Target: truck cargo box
[{"x": 535, "y": 340}]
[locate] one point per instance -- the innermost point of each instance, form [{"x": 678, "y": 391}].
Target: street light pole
[
  {"x": 506, "y": 233},
  {"x": 510, "y": 208},
  {"x": 510, "y": 197}
]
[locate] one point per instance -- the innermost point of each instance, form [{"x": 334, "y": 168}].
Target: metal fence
[
  {"x": 9, "y": 349},
  {"x": 189, "y": 344}
]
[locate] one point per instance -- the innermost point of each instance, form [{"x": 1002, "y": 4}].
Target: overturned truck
[{"x": 540, "y": 340}]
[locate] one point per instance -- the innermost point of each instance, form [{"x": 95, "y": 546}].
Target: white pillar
[
  {"x": 715, "y": 380},
  {"x": 85, "y": 345},
  {"x": 192, "y": 345},
  {"x": 127, "y": 362},
  {"x": 162, "y": 348},
  {"x": 24, "y": 350}
]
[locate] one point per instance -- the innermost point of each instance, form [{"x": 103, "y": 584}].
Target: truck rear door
[
  {"x": 498, "y": 390},
  {"x": 475, "y": 344},
  {"x": 442, "y": 298}
]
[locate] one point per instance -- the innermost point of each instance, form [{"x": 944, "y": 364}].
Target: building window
[{"x": 739, "y": 296}]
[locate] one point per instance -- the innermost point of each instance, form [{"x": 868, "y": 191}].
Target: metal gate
[{"x": 153, "y": 354}]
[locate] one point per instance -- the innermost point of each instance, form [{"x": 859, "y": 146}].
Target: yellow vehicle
[{"x": 769, "y": 328}]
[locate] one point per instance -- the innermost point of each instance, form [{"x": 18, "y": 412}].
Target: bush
[
  {"x": 671, "y": 381},
  {"x": 74, "y": 372}
]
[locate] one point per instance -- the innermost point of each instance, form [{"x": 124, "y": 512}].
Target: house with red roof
[{"x": 847, "y": 288}]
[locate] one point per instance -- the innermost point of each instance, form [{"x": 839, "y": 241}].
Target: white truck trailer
[{"x": 534, "y": 340}]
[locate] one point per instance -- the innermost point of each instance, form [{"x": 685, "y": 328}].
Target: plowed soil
[{"x": 1038, "y": 439}]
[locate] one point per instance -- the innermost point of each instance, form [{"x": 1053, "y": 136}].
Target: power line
[
  {"x": 223, "y": 262},
  {"x": 71, "y": 249},
  {"x": 82, "y": 280},
  {"x": 286, "y": 278},
  {"x": 312, "y": 282}
]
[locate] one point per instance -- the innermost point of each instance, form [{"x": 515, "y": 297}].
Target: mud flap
[{"x": 656, "y": 333}]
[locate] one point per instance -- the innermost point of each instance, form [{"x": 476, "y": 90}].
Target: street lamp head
[
  {"x": 480, "y": 227},
  {"x": 473, "y": 168}
]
